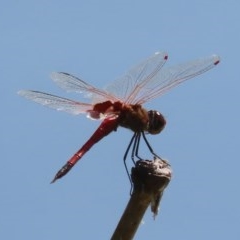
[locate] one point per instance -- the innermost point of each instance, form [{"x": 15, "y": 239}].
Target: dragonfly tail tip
[{"x": 53, "y": 181}]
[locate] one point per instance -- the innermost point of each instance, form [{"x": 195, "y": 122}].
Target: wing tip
[
  {"x": 22, "y": 92},
  {"x": 164, "y": 54},
  {"x": 53, "y": 75},
  {"x": 216, "y": 59},
  {"x": 57, "y": 76}
]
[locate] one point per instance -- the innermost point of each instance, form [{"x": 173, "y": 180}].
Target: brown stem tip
[{"x": 150, "y": 178}]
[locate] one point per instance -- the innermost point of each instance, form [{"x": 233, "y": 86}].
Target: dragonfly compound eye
[{"x": 156, "y": 122}]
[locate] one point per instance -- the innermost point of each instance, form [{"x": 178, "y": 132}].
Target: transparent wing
[
  {"x": 55, "y": 102},
  {"x": 127, "y": 87},
  {"x": 167, "y": 78},
  {"x": 73, "y": 84}
]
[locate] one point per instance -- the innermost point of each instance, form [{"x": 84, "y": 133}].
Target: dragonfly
[{"x": 120, "y": 104}]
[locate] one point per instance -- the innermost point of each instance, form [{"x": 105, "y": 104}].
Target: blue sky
[{"x": 98, "y": 41}]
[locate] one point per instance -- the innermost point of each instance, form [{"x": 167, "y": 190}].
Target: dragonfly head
[{"x": 156, "y": 122}]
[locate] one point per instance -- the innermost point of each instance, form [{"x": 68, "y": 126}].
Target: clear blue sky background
[{"x": 98, "y": 41}]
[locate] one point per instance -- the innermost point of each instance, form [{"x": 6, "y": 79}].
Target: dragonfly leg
[
  {"x": 149, "y": 147},
  {"x": 136, "y": 147},
  {"x": 129, "y": 146},
  {"x": 132, "y": 141}
]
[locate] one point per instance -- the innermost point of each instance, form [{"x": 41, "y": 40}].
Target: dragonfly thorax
[
  {"x": 133, "y": 117},
  {"x": 156, "y": 122}
]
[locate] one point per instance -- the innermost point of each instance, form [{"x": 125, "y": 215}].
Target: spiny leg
[
  {"x": 132, "y": 141},
  {"x": 136, "y": 147},
  {"x": 129, "y": 146},
  {"x": 149, "y": 146}
]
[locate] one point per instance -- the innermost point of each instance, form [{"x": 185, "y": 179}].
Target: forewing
[
  {"x": 74, "y": 84},
  {"x": 126, "y": 88},
  {"x": 55, "y": 102},
  {"x": 167, "y": 78}
]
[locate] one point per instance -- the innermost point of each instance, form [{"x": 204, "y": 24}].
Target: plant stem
[{"x": 149, "y": 178}]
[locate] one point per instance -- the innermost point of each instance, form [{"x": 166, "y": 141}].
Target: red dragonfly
[{"x": 120, "y": 104}]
